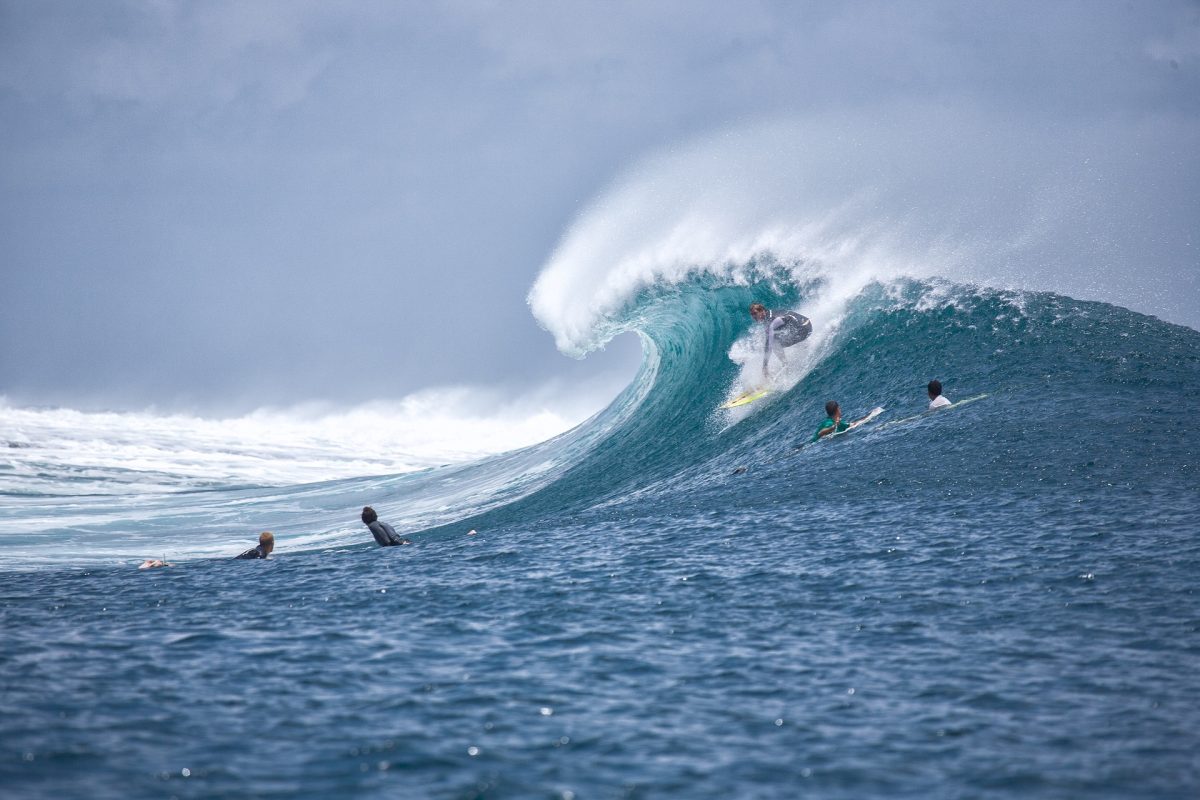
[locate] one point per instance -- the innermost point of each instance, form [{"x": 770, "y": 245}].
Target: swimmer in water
[
  {"x": 936, "y": 398},
  {"x": 266, "y": 543},
  {"x": 384, "y": 534}
]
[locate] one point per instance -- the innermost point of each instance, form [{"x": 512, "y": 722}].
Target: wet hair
[
  {"x": 756, "y": 308},
  {"x": 266, "y": 537},
  {"x": 831, "y": 407},
  {"x": 369, "y": 515},
  {"x": 935, "y": 388}
]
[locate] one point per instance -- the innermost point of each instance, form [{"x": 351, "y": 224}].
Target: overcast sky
[{"x": 227, "y": 204}]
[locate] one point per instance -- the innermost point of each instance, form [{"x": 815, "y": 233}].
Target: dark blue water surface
[{"x": 997, "y": 600}]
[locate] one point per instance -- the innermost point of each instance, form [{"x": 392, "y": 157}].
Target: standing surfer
[{"x": 784, "y": 329}]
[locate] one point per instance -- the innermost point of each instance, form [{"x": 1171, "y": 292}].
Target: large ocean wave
[
  {"x": 1032, "y": 353},
  {"x": 956, "y": 262}
]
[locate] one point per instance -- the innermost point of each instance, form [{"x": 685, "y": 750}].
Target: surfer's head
[
  {"x": 266, "y": 540},
  {"x": 831, "y": 408},
  {"x": 935, "y": 388},
  {"x": 758, "y": 312},
  {"x": 369, "y": 515}
]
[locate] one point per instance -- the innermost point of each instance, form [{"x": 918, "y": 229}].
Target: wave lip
[
  {"x": 668, "y": 223},
  {"x": 919, "y": 191}
]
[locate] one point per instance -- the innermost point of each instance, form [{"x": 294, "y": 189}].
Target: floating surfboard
[
  {"x": 928, "y": 412},
  {"x": 968, "y": 400},
  {"x": 875, "y": 412},
  {"x": 746, "y": 397}
]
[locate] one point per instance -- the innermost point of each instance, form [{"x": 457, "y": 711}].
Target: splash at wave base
[{"x": 994, "y": 600}]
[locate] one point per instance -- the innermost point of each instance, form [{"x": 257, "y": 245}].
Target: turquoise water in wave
[{"x": 995, "y": 600}]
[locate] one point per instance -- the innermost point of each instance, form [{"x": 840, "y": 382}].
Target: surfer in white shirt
[{"x": 936, "y": 398}]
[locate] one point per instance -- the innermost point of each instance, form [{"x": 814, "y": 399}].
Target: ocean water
[{"x": 668, "y": 600}]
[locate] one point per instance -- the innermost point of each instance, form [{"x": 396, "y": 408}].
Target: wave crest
[{"x": 917, "y": 192}]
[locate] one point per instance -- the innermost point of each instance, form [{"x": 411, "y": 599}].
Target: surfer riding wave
[{"x": 784, "y": 329}]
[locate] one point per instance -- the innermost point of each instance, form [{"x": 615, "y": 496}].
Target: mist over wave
[{"x": 1096, "y": 211}]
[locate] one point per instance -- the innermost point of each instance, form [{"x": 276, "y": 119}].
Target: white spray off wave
[{"x": 846, "y": 200}]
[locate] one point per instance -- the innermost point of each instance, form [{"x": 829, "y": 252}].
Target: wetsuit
[
  {"x": 784, "y": 330},
  {"x": 385, "y": 534},
  {"x": 254, "y": 552}
]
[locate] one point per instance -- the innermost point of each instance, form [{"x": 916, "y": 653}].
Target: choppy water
[{"x": 996, "y": 600}]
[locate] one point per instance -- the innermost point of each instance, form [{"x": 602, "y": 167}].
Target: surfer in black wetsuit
[
  {"x": 784, "y": 329},
  {"x": 266, "y": 543},
  {"x": 384, "y": 534}
]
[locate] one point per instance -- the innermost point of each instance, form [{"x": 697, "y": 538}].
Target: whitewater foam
[{"x": 52, "y": 451}]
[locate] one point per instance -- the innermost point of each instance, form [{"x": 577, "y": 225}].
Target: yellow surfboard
[{"x": 746, "y": 398}]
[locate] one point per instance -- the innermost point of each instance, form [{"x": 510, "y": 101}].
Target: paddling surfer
[
  {"x": 266, "y": 543},
  {"x": 936, "y": 398},
  {"x": 834, "y": 423},
  {"x": 784, "y": 329},
  {"x": 384, "y": 534}
]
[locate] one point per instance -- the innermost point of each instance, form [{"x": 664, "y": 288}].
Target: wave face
[{"x": 1082, "y": 397}]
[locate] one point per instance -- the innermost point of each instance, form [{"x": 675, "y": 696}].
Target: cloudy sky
[{"x": 228, "y": 204}]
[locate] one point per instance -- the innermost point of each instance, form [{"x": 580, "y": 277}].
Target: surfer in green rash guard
[
  {"x": 833, "y": 422},
  {"x": 784, "y": 329}
]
